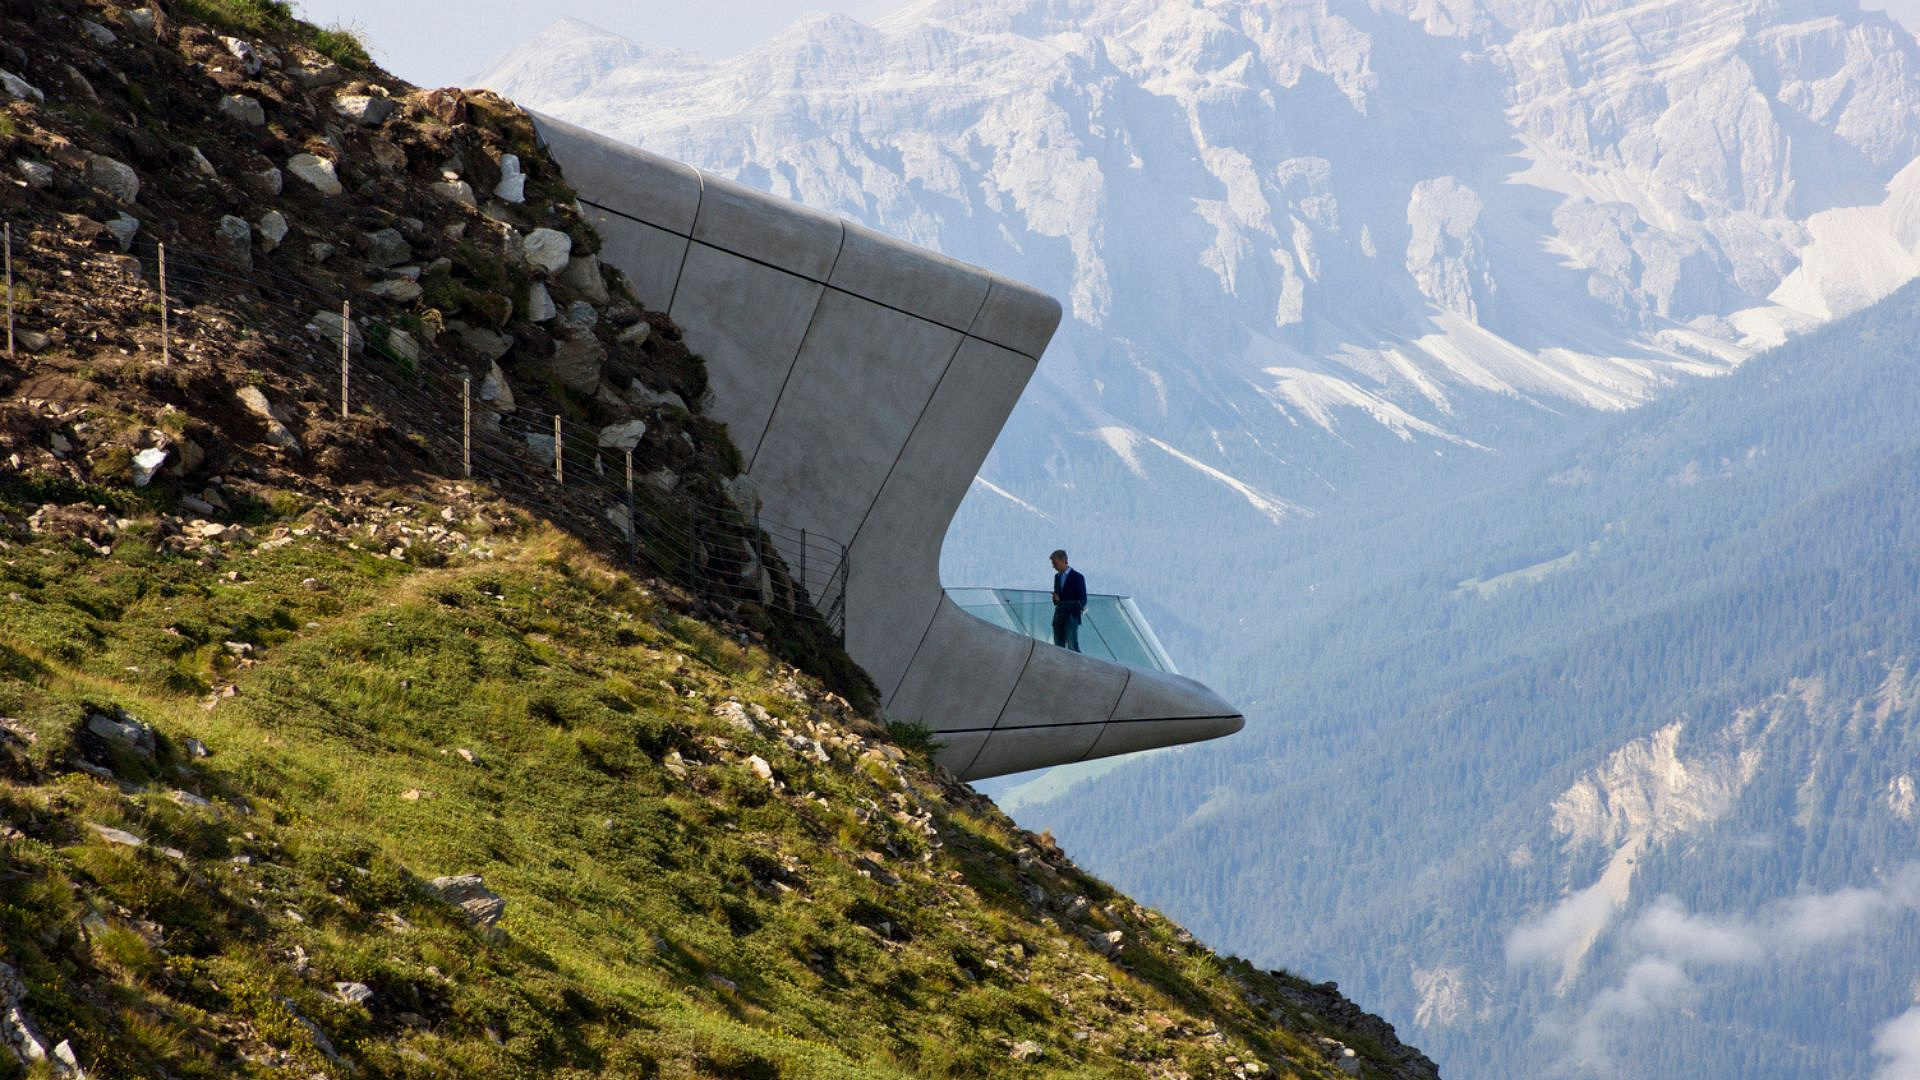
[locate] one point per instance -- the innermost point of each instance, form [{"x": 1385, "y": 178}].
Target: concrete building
[{"x": 864, "y": 381}]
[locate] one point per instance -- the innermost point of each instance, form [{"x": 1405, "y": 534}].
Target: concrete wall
[{"x": 864, "y": 381}]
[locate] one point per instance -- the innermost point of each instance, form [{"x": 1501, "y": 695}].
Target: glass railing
[{"x": 1111, "y": 628}]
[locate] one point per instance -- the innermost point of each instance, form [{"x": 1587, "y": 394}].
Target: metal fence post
[
  {"x": 346, "y": 341},
  {"x": 804, "y": 587},
  {"x": 466, "y": 426},
  {"x": 9, "y": 244},
  {"x": 559, "y": 454},
  {"x": 166, "y": 328},
  {"x": 632, "y": 524}
]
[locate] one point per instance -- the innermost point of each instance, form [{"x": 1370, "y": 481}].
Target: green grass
[
  {"x": 241, "y": 15},
  {"x": 343, "y": 47}
]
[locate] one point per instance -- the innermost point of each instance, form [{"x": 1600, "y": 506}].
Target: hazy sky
[{"x": 438, "y": 43}]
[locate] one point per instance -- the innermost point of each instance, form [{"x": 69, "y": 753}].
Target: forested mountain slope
[{"x": 1529, "y": 748}]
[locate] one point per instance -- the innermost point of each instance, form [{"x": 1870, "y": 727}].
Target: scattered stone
[
  {"x": 759, "y": 767},
  {"x": 636, "y": 334},
  {"x": 647, "y": 395},
  {"x": 469, "y": 893},
  {"x": 243, "y": 52},
  {"x": 146, "y": 464},
  {"x": 242, "y": 109},
  {"x": 547, "y": 249},
  {"x": 582, "y": 275},
  {"x": 273, "y": 229},
  {"x": 269, "y": 180},
  {"x": 124, "y": 227},
  {"x": 196, "y": 749},
  {"x": 541, "y": 444},
  {"x": 663, "y": 480},
  {"x": 494, "y": 390},
  {"x": 314, "y": 78},
  {"x": 403, "y": 345},
  {"x": 38, "y": 176},
  {"x": 318, "y": 173},
  {"x": 353, "y": 993},
  {"x": 20, "y": 89},
  {"x": 624, "y": 436},
  {"x": 467, "y": 756},
  {"x": 367, "y": 110},
  {"x": 255, "y": 402},
  {"x": 386, "y": 247},
  {"x": 512, "y": 187},
  {"x": 201, "y": 163},
  {"x": 114, "y": 177},
  {"x": 32, "y": 340},
  {"x": 399, "y": 290},
  {"x": 453, "y": 193},
  {"x": 319, "y": 252},
  {"x": 411, "y": 795},
  {"x": 233, "y": 241},
  {"x": 117, "y": 836},
  {"x": 125, "y": 731},
  {"x": 540, "y": 303},
  {"x": 81, "y": 87},
  {"x": 1026, "y": 1050},
  {"x": 100, "y": 34},
  {"x": 579, "y": 319},
  {"x": 490, "y": 345},
  {"x": 576, "y": 363},
  {"x": 329, "y": 325},
  {"x": 190, "y": 800},
  {"x": 142, "y": 19},
  {"x": 18, "y": 1032}
]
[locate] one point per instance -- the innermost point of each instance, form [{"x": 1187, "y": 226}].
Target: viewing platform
[
  {"x": 864, "y": 381},
  {"x": 1111, "y": 628}
]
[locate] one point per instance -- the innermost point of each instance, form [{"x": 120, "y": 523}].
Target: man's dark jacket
[{"x": 1072, "y": 590}]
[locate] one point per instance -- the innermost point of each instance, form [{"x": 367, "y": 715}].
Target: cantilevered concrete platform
[{"x": 864, "y": 381}]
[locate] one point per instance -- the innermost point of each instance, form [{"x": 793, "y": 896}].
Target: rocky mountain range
[{"x": 1270, "y": 218}]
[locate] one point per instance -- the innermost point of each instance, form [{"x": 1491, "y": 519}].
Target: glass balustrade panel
[{"x": 1111, "y": 628}]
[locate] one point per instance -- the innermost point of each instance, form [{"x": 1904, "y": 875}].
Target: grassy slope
[{"x": 708, "y": 924}]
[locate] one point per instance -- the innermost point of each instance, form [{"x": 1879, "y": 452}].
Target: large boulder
[
  {"x": 114, "y": 177},
  {"x": 386, "y": 247},
  {"x": 547, "y": 249},
  {"x": 576, "y": 363},
  {"x": 317, "y": 172},
  {"x": 242, "y": 109}
]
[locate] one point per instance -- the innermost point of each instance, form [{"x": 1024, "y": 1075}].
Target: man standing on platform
[{"x": 1069, "y": 601}]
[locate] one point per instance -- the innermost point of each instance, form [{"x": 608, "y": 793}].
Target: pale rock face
[
  {"x": 273, "y": 229},
  {"x": 548, "y": 249},
  {"x": 1901, "y": 798},
  {"x": 512, "y": 187},
  {"x": 1364, "y": 213},
  {"x": 317, "y": 172},
  {"x": 116, "y": 178},
  {"x": 242, "y": 109}
]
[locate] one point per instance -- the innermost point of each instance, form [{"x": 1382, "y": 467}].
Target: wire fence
[{"x": 199, "y": 309}]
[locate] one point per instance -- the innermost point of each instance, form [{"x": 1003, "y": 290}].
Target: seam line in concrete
[
  {"x": 799, "y": 351},
  {"x": 1032, "y": 645},
  {"x": 1116, "y": 708},
  {"x": 966, "y": 330},
  {"x": 699, "y": 203},
  {"x": 924, "y": 634},
  {"x": 925, "y": 407},
  {"x": 1085, "y": 723}
]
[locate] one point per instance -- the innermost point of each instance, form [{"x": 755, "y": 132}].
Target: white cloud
[
  {"x": 1898, "y": 1040},
  {"x": 1667, "y": 944},
  {"x": 1577, "y": 919}
]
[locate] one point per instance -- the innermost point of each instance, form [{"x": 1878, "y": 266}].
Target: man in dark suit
[{"x": 1069, "y": 601}]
